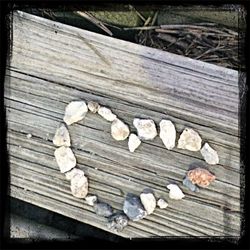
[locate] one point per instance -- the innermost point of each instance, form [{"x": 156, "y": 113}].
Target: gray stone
[
  {"x": 117, "y": 221},
  {"x": 133, "y": 207},
  {"x": 186, "y": 182},
  {"x": 103, "y": 209}
]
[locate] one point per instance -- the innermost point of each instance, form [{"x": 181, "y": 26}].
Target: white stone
[
  {"x": 91, "y": 199},
  {"x": 93, "y": 107},
  {"x": 29, "y": 136},
  {"x": 106, "y": 114},
  {"x": 65, "y": 158},
  {"x": 167, "y": 134},
  {"x": 209, "y": 154},
  {"x": 175, "y": 192},
  {"x": 75, "y": 111},
  {"x": 119, "y": 130},
  {"x": 189, "y": 140},
  {"x": 69, "y": 175},
  {"x": 161, "y": 203},
  {"x": 146, "y": 128},
  {"x": 62, "y": 137},
  {"x": 148, "y": 201},
  {"x": 79, "y": 185},
  {"x": 133, "y": 142}
]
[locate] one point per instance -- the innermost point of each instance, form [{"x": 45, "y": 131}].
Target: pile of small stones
[{"x": 135, "y": 207}]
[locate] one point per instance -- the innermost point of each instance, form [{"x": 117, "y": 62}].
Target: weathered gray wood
[{"x": 48, "y": 69}]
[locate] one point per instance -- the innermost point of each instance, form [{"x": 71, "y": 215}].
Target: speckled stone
[
  {"x": 93, "y": 106},
  {"x": 79, "y": 185},
  {"x": 146, "y": 128},
  {"x": 117, "y": 221},
  {"x": 69, "y": 175},
  {"x": 189, "y": 140}
]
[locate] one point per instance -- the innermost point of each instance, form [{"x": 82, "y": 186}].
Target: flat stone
[
  {"x": 200, "y": 176},
  {"x": 148, "y": 201},
  {"x": 106, "y": 114},
  {"x": 189, "y": 140},
  {"x": 209, "y": 154},
  {"x": 146, "y": 128},
  {"x": 119, "y": 130},
  {"x": 62, "y": 137},
  {"x": 133, "y": 207},
  {"x": 93, "y": 106},
  {"x": 117, "y": 221},
  {"x": 103, "y": 209},
  {"x": 167, "y": 134},
  {"x": 79, "y": 185},
  {"x": 65, "y": 158},
  {"x": 175, "y": 192},
  {"x": 91, "y": 199},
  {"x": 75, "y": 111},
  {"x": 69, "y": 175},
  {"x": 133, "y": 142},
  {"x": 186, "y": 182},
  {"x": 161, "y": 203}
]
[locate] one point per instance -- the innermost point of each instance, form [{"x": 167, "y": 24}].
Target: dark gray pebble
[
  {"x": 117, "y": 221},
  {"x": 103, "y": 209},
  {"x": 133, "y": 207},
  {"x": 186, "y": 182}
]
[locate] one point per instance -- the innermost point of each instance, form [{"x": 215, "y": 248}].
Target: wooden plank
[{"x": 52, "y": 64}]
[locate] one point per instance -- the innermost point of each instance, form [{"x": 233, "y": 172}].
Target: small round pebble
[
  {"x": 103, "y": 209},
  {"x": 106, "y": 114},
  {"x": 29, "y": 136},
  {"x": 93, "y": 106}
]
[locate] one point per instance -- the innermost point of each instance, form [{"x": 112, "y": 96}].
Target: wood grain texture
[{"x": 53, "y": 64}]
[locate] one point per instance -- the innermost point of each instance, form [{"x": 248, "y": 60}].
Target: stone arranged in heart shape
[{"x": 134, "y": 207}]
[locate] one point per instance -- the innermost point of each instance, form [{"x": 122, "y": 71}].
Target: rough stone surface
[
  {"x": 148, "y": 201},
  {"x": 117, "y": 222},
  {"x": 119, "y": 130},
  {"x": 175, "y": 192},
  {"x": 103, "y": 209},
  {"x": 91, "y": 199},
  {"x": 200, "y": 176},
  {"x": 189, "y": 140},
  {"x": 186, "y": 182},
  {"x": 93, "y": 107},
  {"x": 133, "y": 207},
  {"x": 146, "y": 128},
  {"x": 133, "y": 142},
  {"x": 167, "y": 134},
  {"x": 106, "y": 114},
  {"x": 62, "y": 137},
  {"x": 75, "y": 111},
  {"x": 79, "y": 185},
  {"x": 209, "y": 154},
  {"x": 69, "y": 175},
  {"x": 65, "y": 158},
  {"x": 161, "y": 203}
]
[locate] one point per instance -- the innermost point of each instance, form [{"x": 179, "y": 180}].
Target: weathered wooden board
[{"x": 53, "y": 64}]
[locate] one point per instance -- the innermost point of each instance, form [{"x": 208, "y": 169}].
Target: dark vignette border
[{"x": 206, "y": 243}]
